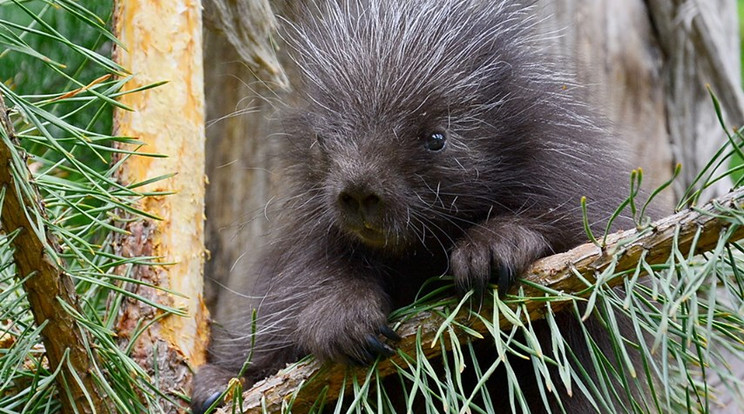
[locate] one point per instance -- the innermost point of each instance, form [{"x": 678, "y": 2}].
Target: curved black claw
[
  {"x": 479, "y": 289},
  {"x": 363, "y": 359},
  {"x": 208, "y": 403},
  {"x": 378, "y": 347},
  {"x": 506, "y": 277},
  {"x": 372, "y": 348},
  {"x": 389, "y": 333}
]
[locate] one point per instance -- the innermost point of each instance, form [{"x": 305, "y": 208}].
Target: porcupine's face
[
  {"x": 403, "y": 140},
  {"x": 418, "y": 172},
  {"x": 390, "y": 183}
]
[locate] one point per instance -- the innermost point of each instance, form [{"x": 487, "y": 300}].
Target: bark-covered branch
[
  {"x": 50, "y": 291},
  {"x": 557, "y": 272}
]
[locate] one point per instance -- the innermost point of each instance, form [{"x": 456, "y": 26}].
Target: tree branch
[
  {"x": 51, "y": 292},
  {"x": 701, "y": 226}
]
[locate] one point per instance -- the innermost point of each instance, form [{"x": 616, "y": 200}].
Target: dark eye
[{"x": 435, "y": 141}]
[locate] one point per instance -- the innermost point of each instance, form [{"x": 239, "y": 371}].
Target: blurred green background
[
  {"x": 29, "y": 75},
  {"x": 741, "y": 27}
]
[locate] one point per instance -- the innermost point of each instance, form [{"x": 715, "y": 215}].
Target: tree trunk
[
  {"x": 239, "y": 167},
  {"x": 700, "y": 42},
  {"x": 163, "y": 42},
  {"x": 240, "y": 152},
  {"x": 619, "y": 62},
  {"x": 647, "y": 64}
]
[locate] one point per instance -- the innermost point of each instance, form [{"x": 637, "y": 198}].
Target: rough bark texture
[
  {"x": 557, "y": 272},
  {"x": 700, "y": 44},
  {"x": 248, "y": 26},
  {"x": 239, "y": 167},
  {"x": 163, "y": 42},
  {"x": 240, "y": 153},
  {"x": 50, "y": 291},
  {"x": 646, "y": 63},
  {"x": 619, "y": 63}
]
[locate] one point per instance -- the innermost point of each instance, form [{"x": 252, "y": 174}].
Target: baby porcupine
[{"x": 432, "y": 137}]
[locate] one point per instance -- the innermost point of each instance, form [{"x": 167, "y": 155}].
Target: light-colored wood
[{"x": 163, "y": 42}]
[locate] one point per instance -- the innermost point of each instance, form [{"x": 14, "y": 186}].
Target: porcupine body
[{"x": 431, "y": 137}]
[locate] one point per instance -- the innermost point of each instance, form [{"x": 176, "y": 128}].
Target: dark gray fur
[{"x": 372, "y": 213}]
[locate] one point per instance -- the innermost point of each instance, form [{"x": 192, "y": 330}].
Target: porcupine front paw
[
  {"x": 210, "y": 382},
  {"x": 497, "y": 252},
  {"x": 355, "y": 334}
]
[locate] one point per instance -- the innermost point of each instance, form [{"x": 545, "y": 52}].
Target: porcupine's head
[{"x": 420, "y": 118}]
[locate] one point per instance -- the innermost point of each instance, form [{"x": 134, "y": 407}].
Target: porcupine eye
[{"x": 435, "y": 141}]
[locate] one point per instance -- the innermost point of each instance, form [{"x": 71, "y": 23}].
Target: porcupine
[{"x": 431, "y": 137}]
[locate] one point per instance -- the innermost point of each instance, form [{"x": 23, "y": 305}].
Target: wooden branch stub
[
  {"x": 555, "y": 272},
  {"x": 47, "y": 286}
]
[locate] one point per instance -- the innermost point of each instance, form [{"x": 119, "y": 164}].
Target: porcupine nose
[{"x": 361, "y": 203}]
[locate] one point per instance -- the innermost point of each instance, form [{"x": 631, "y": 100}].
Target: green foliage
[
  {"x": 35, "y": 61},
  {"x": 740, "y": 4},
  {"x": 60, "y": 85},
  {"x": 737, "y": 159}
]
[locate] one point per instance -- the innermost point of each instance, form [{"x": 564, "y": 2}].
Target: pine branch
[
  {"x": 51, "y": 292},
  {"x": 698, "y": 228}
]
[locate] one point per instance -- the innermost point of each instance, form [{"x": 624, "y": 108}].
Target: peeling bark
[{"x": 163, "y": 42}]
